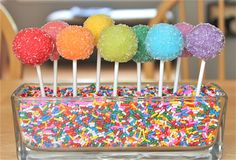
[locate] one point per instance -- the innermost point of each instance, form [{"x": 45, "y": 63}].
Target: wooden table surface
[{"x": 7, "y": 137}]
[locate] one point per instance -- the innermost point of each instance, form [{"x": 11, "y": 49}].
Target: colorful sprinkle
[{"x": 125, "y": 122}]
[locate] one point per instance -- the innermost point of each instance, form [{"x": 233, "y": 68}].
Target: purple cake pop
[
  {"x": 205, "y": 41},
  {"x": 184, "y": 28}
]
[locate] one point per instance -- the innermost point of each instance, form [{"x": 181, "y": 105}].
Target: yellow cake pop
[{"x": 97, "y": 23}]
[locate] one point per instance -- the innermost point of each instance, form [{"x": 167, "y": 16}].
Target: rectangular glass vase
[{"x": 124, "y": 127}]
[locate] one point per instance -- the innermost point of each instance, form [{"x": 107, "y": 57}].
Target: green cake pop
[
  {"x": 117, "y": 44},
  {"x": 142, "y": 54}
]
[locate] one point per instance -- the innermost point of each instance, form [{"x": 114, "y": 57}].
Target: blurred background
[{"x": 35, "y": 13}]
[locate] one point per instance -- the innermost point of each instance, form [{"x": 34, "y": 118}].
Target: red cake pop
[
  {"x": 53, "y": 28},
  {"x": 33, "y": 46}
]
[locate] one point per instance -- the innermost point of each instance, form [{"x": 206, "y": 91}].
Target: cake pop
[
  {"x": 142, "y": 55},
  {"x": 164, "y": 42},
  {"x": 117, "y": 44},
  {"x": 205, "y": 42},
  {"x": 53, "y": 28},
  {"x": 75, "y": 43},
  {"x": 33, "y": 46},
  {"x": 96, "y": 24},
  {"x": 184, "y": 28}
]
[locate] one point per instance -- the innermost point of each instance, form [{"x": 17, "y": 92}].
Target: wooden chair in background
[
  {"x": 8, "y": 31},
  {"x": 167, "y": 5}
]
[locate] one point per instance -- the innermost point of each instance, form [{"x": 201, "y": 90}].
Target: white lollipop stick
[
  {"x": 201, "y": 73},
  {"x": 74, "y": 78},
  {"x": 40, "y": 80},
  {"x": 177, "y": 74},
  {"x": 138, "y": 76},
  {"x": 161, "y": 74},
  {"x": 98, "y": 76},
  {"x": 55, "y": 64},
  {"x": 116, "y": 73}
]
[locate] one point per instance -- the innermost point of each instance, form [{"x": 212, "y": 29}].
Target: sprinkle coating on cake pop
[
  {"x": 142, "y": 54},
  {"x": 205, "y": 41},
  {"x": 164, "y": 42},
  {"x": 53, "y": 28},
  {"x": 97, "y": 23},
  {"x": 75, "y": 43},
  {"x": 184, "y": 28},
  {"x": 33, "y": 46},
  {"x": 118, "y": 43}
]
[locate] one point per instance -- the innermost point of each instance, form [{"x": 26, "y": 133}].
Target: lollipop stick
[
  {"x": 40, "y": 80},
  {"x": 98, "y": 72},
  {"x": 138, "y": 76},
  {"x": 74, "y": 78},
  {"x": 201, "y": 73},
  {"x": 116, "y": 72},
  {"x": 55, "y": 64},
  {"x": 161, "y": 74},
  {"x": 177, "y": 74}
]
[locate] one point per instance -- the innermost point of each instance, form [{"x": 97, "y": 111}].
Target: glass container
[{"x": 123, "y": 127}]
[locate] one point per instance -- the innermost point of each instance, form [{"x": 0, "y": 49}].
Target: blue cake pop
[{"x": 164, "y": 42}]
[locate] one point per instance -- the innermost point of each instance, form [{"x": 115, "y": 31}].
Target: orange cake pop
[{"x": 75, "y": 42}]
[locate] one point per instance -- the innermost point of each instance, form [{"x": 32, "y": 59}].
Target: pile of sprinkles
[
  {"x": 61, "y": 124},
  {"x": 125, "y": 91}
]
